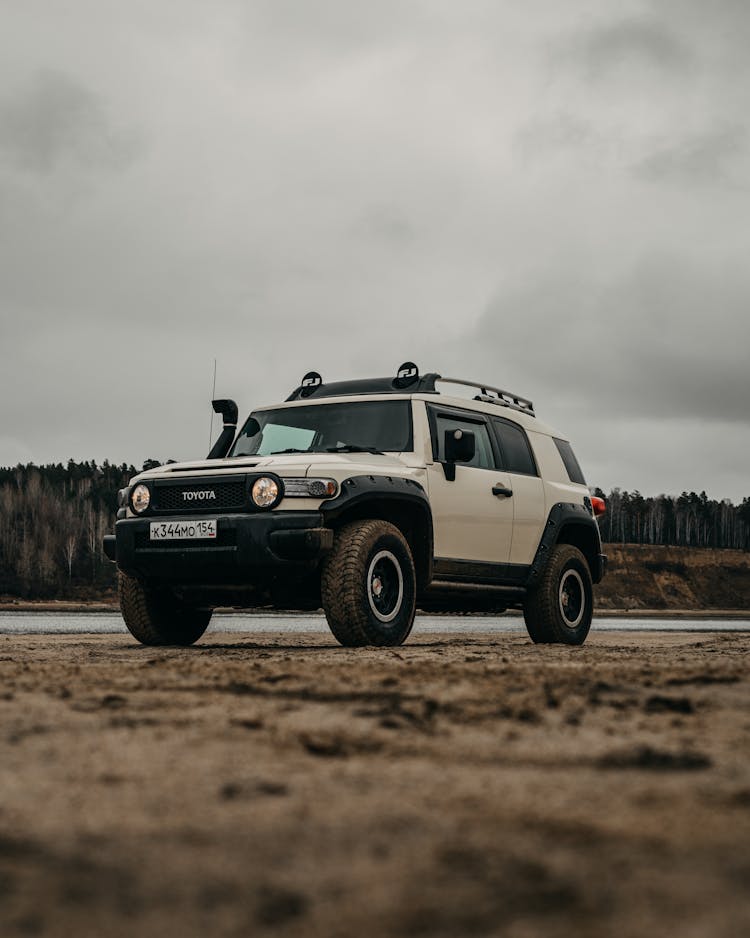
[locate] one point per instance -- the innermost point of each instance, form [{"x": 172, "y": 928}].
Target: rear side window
[
  {"x": 483, "y": 457},
  {"x": 569, "y": 461},
  {"x": 515, "y": 448}
]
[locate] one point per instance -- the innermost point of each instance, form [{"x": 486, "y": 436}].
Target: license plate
[{"x": 183, "y": 530}]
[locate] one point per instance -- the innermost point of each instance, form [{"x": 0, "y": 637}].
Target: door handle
[{"x": 501, "y": 490}]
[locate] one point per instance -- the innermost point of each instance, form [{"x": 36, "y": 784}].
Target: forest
[
  {"x": 686, "y": 520},
  {"x": 53, "y": 519}
]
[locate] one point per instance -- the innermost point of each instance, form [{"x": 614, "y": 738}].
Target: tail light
[{"x": 599, "y": 505}]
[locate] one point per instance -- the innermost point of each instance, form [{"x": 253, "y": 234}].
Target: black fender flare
[
  {"x": 386, "y": 497},
  {"x": 568, "y": 522}
]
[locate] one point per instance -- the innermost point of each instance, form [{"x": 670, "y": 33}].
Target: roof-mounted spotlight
[
  {"x": 309, "y": 383},
  {"x": 407, "y": 374}
]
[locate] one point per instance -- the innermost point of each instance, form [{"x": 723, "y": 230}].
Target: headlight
[
  {"x": 265, "y": 492},
  {"x": 310, "y": 488},
  {"x": 140, "y": 498}
]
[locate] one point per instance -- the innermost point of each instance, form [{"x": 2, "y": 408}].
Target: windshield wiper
[
  {"x": 280, "y": 452},
  {"x": 351, "y": 448}
]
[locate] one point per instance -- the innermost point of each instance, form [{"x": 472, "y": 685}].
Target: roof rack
[
  {"x": 407, "y": 380},
  {"x": 497, "y": 395}
]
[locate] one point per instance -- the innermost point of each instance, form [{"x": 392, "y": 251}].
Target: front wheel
[
  {"x": 560, "y": 607},
  {"x": 156, "y": 618},
  {"x": 368, "y": 585}
]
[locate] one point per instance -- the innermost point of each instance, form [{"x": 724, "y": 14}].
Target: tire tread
[
  {"x": 540, "y": 611},
  {"x": 152, "y": 625},
  {"x": 341, "y": 578}
]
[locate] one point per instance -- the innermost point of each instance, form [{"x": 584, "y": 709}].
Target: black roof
[
  {"x": 407, "y": 381},
  {"x": 424, "y": 384}
]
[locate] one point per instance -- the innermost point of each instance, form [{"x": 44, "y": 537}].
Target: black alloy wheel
[
  {"x": 368, "y": 585},
  {"x": 559, "y": 608}
]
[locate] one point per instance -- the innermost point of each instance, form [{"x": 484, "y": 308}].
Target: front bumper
[{"x": 248, "y": 548}]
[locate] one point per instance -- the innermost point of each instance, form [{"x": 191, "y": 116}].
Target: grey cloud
[
  {"x": 542, "y": 137},
  {"x": 53, "y": 118},
  {"x": 704, "y": 158},
  {"x": 708, "y": 157},
  {"x": 729, "y": 19},
  {"x": 666, "y": 341},
  {"x": 335, "y": 22},
  {"x": 385, "y": 224},
  {"x": 632, "y": 43}
]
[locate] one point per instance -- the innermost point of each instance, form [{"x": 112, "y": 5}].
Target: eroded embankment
[{"x": 678, "y": 578}]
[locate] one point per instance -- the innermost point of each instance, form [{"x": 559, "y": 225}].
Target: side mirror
[
  {"x": 251, "y": 427},
  {"x": 460, "y": 446}
]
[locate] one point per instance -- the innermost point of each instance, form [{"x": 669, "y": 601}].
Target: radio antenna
[{"x": 213, "y": 395}]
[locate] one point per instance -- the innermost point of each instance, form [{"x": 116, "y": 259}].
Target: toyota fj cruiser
[{"x": 370, "y": 498}]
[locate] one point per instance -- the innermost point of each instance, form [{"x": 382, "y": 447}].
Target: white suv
[{"x": 370, "y": 497}]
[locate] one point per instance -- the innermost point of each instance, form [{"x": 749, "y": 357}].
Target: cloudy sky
[{"x": 548, "y": 196}]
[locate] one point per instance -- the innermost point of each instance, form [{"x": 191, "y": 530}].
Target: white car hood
[{"x": 285, "y": 464}]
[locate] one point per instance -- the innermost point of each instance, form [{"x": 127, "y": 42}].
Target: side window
[
  {"x": 517, "y": 456},
  {"x": 569, "y": 461},
  {"x": 483, "y": 457}
]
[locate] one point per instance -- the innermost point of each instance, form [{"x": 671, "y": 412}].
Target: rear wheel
[
  {"x": 561, "y": 605},
  {"x": 155, "y": 617},
  {"x": 368, "y": 585}
]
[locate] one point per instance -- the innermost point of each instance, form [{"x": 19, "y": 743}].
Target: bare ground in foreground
[{"x": 459, "y": 785}]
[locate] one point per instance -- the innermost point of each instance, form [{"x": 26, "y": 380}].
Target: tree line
[
  {"x": 53, "y": 519},
  {"x": 686, "y": 520}
]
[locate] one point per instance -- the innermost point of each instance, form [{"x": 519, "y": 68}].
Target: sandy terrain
[{"x": 456, "y": 786}]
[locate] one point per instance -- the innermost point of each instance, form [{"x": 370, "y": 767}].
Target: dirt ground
[{"x": 459, "y": 785}]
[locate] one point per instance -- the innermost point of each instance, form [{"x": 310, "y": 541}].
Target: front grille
[
  {"x": 222, "y": 539},
  {"x": 221, "y": 496}
]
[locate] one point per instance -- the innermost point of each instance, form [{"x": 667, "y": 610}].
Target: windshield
[{"x": 361, "y": 426}]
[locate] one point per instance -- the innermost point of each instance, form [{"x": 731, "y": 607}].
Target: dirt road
[{"x": 455, "y": 786}]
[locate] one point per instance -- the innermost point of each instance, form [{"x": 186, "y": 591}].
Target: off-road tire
[
  {"x": 549, "y": 617},
  {"x": 350, "y": 578},
  {"x": 155, "y": 618}
]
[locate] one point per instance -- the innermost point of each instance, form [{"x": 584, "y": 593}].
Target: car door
[
  {"x": 529, "y": 514},
  {"x": 472, "y": 519}
]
